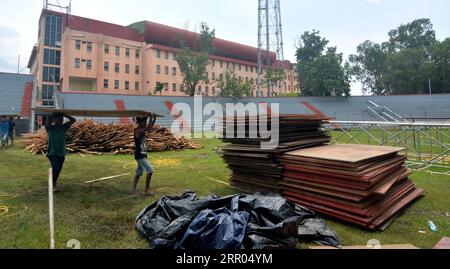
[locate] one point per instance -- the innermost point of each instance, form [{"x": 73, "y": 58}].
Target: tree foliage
[
  {"x": 231, "y": 86},
  {"x": 321, "y": 68},
  {"x": 159, "y": 88},
  {"x": 275, "y": 76},
  {"x": 193, "y": 62},
  {"x": 405, "y": 63}
]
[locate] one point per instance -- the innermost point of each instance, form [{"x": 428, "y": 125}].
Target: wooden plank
[
  {"x": 443, "y": 244},
  {"x": 345, "y": 153},
  {"x": 97, "y": 113}
]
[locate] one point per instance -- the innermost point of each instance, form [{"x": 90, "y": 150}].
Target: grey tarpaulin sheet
[{"x": 233, "y": 222}]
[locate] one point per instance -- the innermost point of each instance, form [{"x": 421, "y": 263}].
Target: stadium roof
[
  {"x": 155, "y": 33},
  {"x": 12, "y": 93}
]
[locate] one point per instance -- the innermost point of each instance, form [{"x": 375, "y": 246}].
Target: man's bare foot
[
  {"x": 149, "y": 193},
  {"x": 56, "y": 190}
]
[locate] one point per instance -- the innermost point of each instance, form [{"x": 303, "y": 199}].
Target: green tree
[
  {"x": 418, "y": 34},
  {"x": 193, "y": 62},
  {"x": 405, "y": 63},
  {"x": 408, "y": 72},
  {"x": 320, "y": 68},
  {"x": 159, "y": 88},
  {"x": 440, "y": 57},
  {"x": 231, "y": 86},
  {"x": 275, "y": 76},
  {"x": 369, "y": 67}
]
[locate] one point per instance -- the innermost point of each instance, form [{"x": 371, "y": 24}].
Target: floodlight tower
[{"x": 270, "y": 37}]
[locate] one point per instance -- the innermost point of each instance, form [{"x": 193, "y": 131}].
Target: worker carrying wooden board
[{"x": 56, "y": 154}]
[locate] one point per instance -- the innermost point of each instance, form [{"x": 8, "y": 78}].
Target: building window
[
  {"x": 221, "y": 77},
  {"x": 117, "y": 51},
  {"x": 77, "y": 44},
  {"x": 206, "y": 90},
  {"x": 77, "y": 62},
  {"x": 89, "y": 46},
  {"x": 251, "y": 69},
  {"x": 228, "y": 65},
  {"x": 214, "y": 91},
  {"x": 117, "y": 68},
  {"x": 158, "y": 69},
  {"x": 214, "y": 76},
  {"x": 106, "y": 67},
  {"x": 158, "y": 54},
  {"x": 52, "y": 57},
  {"x": 53, "y": 30},
  {"x": 166, "y": 55},
  {"x": 174, "y": 87},
  {"x": 127, "y": 69},
  {"x": 127, "y": 85},
  {"x": 166, "y": 87},
  {"x": 50, "y": 74},
  {"x": 174, "y": 71},
  {"x": 221, "y": 64},
  {"x": 138, "y": 70},
  {"x": 116, "y": 84},
  {"x": 89, "y": 64},
  {"x": 166, "y": 70},
  {"x": 246, "y": 79},
  {"x": 174, "y": 55},
  {"x": 138, "y": 54},
  {"x": 246, "y": 68},
  {"x": 136, "y": 86},
  {"x": 105, "y": 84},
  {"x": 127, "y": 52},
  {"x": 106, "y": 49},
  {"x": 47, "y": 95}
]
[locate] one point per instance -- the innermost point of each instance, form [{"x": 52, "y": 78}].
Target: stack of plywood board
[
  {"x": 255, "y": 168},
  {"x": 363, "y": 185}
]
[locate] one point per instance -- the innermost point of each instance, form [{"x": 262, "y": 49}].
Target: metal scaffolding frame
[{"x": 426, "y": 144}]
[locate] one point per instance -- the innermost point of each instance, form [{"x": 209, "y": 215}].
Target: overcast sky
[{"x": 346, "y": 23}]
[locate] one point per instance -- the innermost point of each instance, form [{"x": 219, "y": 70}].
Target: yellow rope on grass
[
  {"x": 166, "y": 162},
  {"x": 4, "y": 210}
]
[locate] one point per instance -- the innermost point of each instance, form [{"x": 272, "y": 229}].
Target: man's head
[
  {"x": 11, "y": 119},
  {"x": 58, "y": 119},
  {"x": 142, "y": 122}
]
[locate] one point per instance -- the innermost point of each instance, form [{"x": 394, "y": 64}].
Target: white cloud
[{"x": 375, "y": 1}]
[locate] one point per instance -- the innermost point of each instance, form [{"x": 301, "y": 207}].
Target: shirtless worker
[
  {"x": 56, "y": 130},
  {"x": 140, "y": 153}
]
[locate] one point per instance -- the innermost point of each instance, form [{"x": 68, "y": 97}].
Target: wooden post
[{"x": 50, "y": 209}]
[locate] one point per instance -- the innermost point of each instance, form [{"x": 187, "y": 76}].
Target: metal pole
[
  {"x": 429, "y": 85},
  {"x": 18, "y": 65},
  {"x": 50, "y": 209},
  {"x": 259, "y": 82},
  {"x": 268, "y": 48}
]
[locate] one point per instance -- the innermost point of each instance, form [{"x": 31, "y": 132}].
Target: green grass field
[{"x": 102, "y": 215}]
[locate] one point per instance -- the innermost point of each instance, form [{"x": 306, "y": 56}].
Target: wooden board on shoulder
[{"x": 96, "y": 113}]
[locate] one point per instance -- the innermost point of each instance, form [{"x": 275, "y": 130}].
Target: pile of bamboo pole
[{"x": 88, "y": 137}]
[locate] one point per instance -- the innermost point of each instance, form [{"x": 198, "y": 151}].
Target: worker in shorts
[
  {"x": 140, "y": 153},
  {"x": 4, "y": 131},
  {"x": 12, "y": 127}
]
